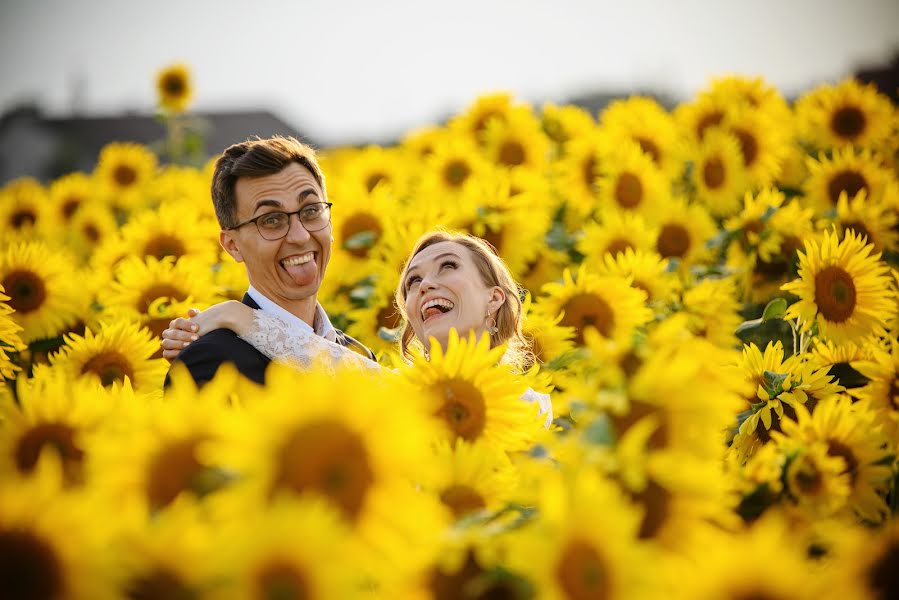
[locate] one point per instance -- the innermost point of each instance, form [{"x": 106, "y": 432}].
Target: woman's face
[{"x": 444, "y": 291}]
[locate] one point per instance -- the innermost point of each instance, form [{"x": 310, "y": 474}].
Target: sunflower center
[
  {"x": 160, "y": 290},
  {"x": 650, "y": 148},
  {"x": 462, "y": 500},
  {"x": 589, "y": 172},
  {"x": 26, "y": 290},
  {"x": 859, "y": 228},
  {"x": 374, "y": 179},
  {"x": 355, "y": 227},
  {"x": 883, "y": 576},
  {"x": 618, "y": 245},
  {"x": 328, "y": 458},
  {"x": 124, "y": 175},
  {"x": 456, "y": 172},
  {"x": 807, "y": 479},
  {"x": 582, "y": 573},
  {"x": 749, "y": 146},
  {"x": 656, "y": 502},
  {"x": 835, "y": 294},
  {"x": 588, "y": 310},
  {"x": 282, "y": 581},
  {"x": 161, "y": 583},
  {"x": 849, "y": 181},
  {"x": 511, "y": 153},
  {"x": 29, "y": 568},
  {"x": 848, "y": 122},
  {"x": 464, "y": 409},
  {"x": 174, "y": 85},
  {"x": 91, "y": 232},
  {"x": 111, "y": 367},
  {"x": 69, "y": 206},
  {"x": 628, "y": 190},
  {"x": 172, "y": 470},
  {"x": 673, "y": 241},
  {"x": 60, "y": 437},
  {"x": 467, "y": 582},
  {"x": 23, "y": 218},
  {"x": 837, "y": 448},
  {"x": 638, "y": 410},
  {"x": 163, "y": 245},
  {"x": 713, "y": 173},
  {"x": 710, "y": 119},
  {"x": 480, "y": 124}
]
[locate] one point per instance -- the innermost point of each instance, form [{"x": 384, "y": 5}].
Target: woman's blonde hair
[{"x": 494, "y": 272}]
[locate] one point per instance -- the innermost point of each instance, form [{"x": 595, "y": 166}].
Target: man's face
[{"x": 292, "y": 268}]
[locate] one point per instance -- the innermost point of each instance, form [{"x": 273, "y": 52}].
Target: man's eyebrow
[
  {"x": 277, "y": 203},
  {"x": 436, "y": 258}
]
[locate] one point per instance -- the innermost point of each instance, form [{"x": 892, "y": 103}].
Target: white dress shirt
[{"x": 321, "y": 323}]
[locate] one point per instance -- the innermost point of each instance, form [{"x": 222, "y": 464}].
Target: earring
[{"x": 491, "y": 325}]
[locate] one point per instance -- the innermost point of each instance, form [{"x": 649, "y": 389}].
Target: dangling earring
[{"x": 491, "y": 325}]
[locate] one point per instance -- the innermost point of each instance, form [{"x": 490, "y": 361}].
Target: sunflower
[
  {"x": 516, "y": 142},
  {"x": 230, "y": 277},
  {"x": 647, "y": 271},
  {"x": 360, "y": 455},
  {"x": 89, "y": 227},
  {"x": 421, "y": 142},
  {"x": 473, "y": 121},
  {"x": 794, "y": 170},
  {"x": 842, "y": 287},
  {"x": 849, "y": 433},
  {"x": 684, "y": 232},
  {"x": 9, "y": 338},
  {"x": 120, "y": 350},
  {"x": 718, "y": 173},
  {"x": 124, "y": 169},
  {"x": 876, "y": 222},
  {"x": 763, "y": 143},
  {"x": 453, "y": 163},
  {"x": 754, "y": 92},
  {"x": 713, "y": 310},
  {"x": 24, "y": 209},
  {"x": 576, "y": 551},
  {"x": 871, "y": 569},
  {"x": 50, "y": 540},
  {"x": 616, "y": 232},
  {"x": 373, "y": 166},
  {"x": 186, "y": 186},
  {"x": 69, "y": 193},
  {"x": 576, "y": 174},
  {"x": 174, "y": 88},
  {"x": 43, "y": 291},
  {"x": 846, "y": 114},
  {"x": 881, "y": 392},
  {"x": 549, "y": 340},
  {"x": 609, "y": 304},
  {"x": 750, "y": 227},
  {"x": 846, "y": 172},
  {"x": 547, "y": 266},
  {"x": 643, "y": 120},
  {"x": 296, "y": 548},
  {"x": 472, "y": 395},
  {"x": 562, "y": 124},
  {"x": 55, "y": 414},
  {"x": 768, "y": 401},
  {"x": 378, "y": 322},
  {"x": 697, "y": 118},
  {"x": 471, "y": 477},
  {"x": 160, "y": 233},
  {"x": 362, "y": 223},
  {"x": 629, "y": 180},
  {"x": 816, "y": 479}
]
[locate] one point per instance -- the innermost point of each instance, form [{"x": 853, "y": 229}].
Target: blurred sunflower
[
  {"x": 629, "y": 180},
  {"x": 763, "y": 144},
  {"x": 718, "y": 173},
  {"x": 549, "y": 339},
  {"x": 616, "y": 232},
  {"x": 701, "y": 115},
  {"x": 576, "y": 174},
  {"x": 876, "y": 222},
  {"x": 713, "y": 310},
  {"x": 643, "y": 120},
  {"x": 473, "y": 121},
  {"x": 230, "y": 277},
  {"x": 373, "y": 166},
  {"x": 545, "y": 267},
  {"x": 849, "y": 113},
  {"x": 9, "y": 338},
  {"x": 188, "y": 187},
  {"x": 25, "y": 209},
  {"x": 815, "y": 479},
  {"x": 849, "y": 432},
  {"x": 69, "y": 192},
  {"x": 881, "y": 392},
  {"x": 646, "y": 270},
  {"x": 842, "y": 287},
  {"x": 794, "y": 170},
  {"x": 453, "y": 162},
  {"x": 174, "y": 88},
  {"x": 845, "y": 172},
  {"x": 870, "y": 565},
  {"x": 160, "y": 233},
  {"x": 750, "y": 226},
  {"x": 517, "y": 141},
  {"x": 472, "y": 395},
  {"x": 378, "y": 322},
  {"x": 89, "y": 227},
  {"x": 42, "y": 288},
  {"x": 684, "y": 231},
  {"x": 124, "y": 169},
  {"x": 561, "y": 124},
  {"x": 120, "y": 350},
  {"x": 608, "y": 304},
  {"x": 754, "y": 92},
  {"x": 420, "y": 142}
]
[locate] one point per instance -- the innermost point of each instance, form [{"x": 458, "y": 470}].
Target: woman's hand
[{"x": 232, "y": 315}]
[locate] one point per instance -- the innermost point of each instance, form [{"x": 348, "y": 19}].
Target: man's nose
[{"x": 295, "y": 230}]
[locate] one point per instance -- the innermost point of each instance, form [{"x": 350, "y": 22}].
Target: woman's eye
[
  {"x": 449, "y": 263},
  {"x": 412, "y": 280}
]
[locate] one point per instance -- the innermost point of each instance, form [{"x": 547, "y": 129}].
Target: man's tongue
[{"x": 303, "y": 274}]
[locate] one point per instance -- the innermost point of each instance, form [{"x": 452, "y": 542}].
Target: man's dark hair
[{"x": 256, "y": 158}]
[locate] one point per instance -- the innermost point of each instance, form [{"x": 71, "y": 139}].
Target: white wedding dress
[{"x": 281, "y": 340}]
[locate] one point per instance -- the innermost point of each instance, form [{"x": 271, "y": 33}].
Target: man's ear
[
  {"x": 229, "y": 243},
  {"x": 497, "y": 299}
]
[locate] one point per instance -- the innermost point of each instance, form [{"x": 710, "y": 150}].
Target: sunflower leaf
[
  {"x": 775, "y": 309},
  {"x": 774, "y": 382},
  {"x": 600, "y": 432}
]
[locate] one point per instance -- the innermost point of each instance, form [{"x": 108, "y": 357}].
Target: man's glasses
[{"x": 275, "y": 225}]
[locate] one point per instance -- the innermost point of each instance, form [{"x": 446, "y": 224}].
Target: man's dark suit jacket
[{"x": 204, "y": 356}]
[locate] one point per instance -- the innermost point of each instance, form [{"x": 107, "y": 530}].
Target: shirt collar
[{"x": 321, "y": 323}]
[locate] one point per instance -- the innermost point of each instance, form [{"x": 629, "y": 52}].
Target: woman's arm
[{"x": 233, "y": 315}]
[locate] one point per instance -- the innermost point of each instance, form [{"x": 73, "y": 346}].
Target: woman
[{"x": 451, "y": 281}]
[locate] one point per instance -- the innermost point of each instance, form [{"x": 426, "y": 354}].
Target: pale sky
[{"x": 353, "y": 71}]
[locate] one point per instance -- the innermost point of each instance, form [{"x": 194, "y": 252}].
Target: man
[{"x": 270, "y": 201}]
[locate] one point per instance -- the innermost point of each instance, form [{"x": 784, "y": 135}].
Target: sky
[{"x": 352, "y": 71}]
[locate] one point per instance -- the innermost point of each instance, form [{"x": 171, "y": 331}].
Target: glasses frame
[{"x": 255, "y": 221}]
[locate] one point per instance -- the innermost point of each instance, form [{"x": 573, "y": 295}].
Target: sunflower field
[{"x": 711, "y": 296}]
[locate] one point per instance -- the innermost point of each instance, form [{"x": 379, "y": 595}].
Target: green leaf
[
  {"x": 362, "y": 240},
  {"x": 774, "y": 382},
  {"x": 775, "y": 309},
  {"x": 390, "y": 335},
  {"x": 761, "y": 333},
  {"x": 600, "y": 432}
]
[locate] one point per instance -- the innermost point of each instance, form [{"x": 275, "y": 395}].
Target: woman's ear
[
  {"x": 497, "y": 299},
  {"x": 226, "y": 239}
]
